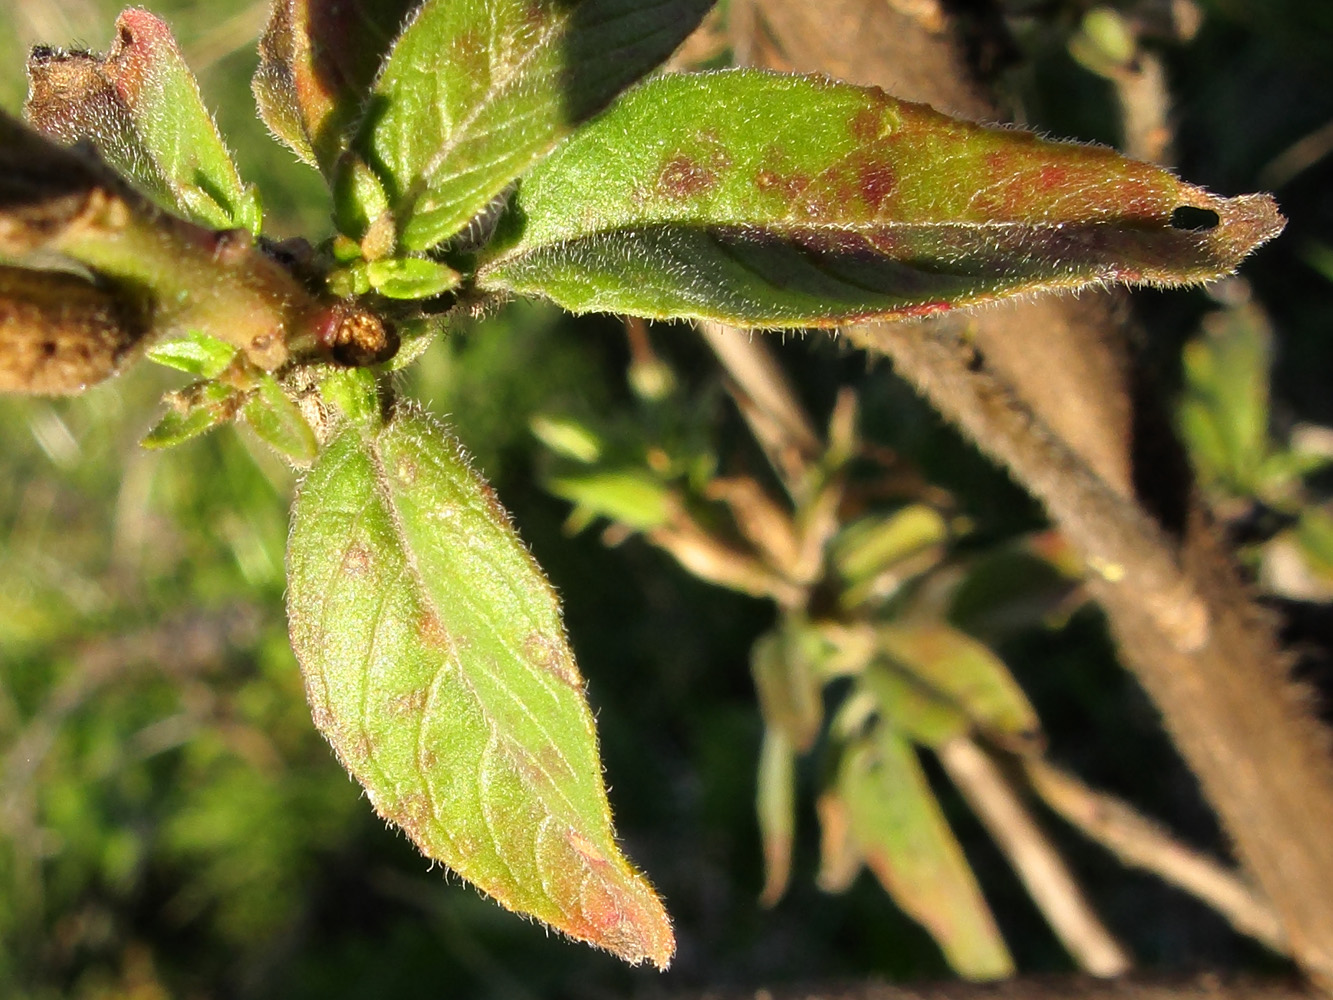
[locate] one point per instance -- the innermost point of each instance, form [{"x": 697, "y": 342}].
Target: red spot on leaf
[
  {"x": 877, "y": 182},
  {"x": 431, "y": 631},
  {"x": 356, "y": 560},
  {"x": 867, "y": 125},
  {"x": 683, "y": 177},
  {"x": 550, "y": 654},
  {"x": 1051, "y": 177},
  {"x": 410, "y": 703}
]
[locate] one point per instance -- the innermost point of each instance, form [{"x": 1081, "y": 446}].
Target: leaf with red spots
[
  {"x": 903, "y": 838},
  {"x": 436, "y": 665},
  {"x": 476, "y": 91},
  {"x": 140, "y": 106},
  {"x": 783, "y": 201},
  {"x": 317, "y": 62}
]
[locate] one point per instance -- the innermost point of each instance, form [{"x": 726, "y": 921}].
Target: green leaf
[
  {"x": 775, "y": 805},
  {"x": 631, "y": 496},
  {"x": 782, "y": 201},
  {"x": 278, "y": 421},
  {"x": 788, "y": 684},
  {"x": 195, "y": 354},
  {"x": 317, "y": 61},
  {"x": 964, "y": 674},
  {"x": 140, "y": 105},
  {"x": 876, "y": 555},
  {"x": 568, "y": 437},
  {"x": 907, "y": 843},
  {"x": 1314, "y": 533},
  {"x": 1224, "y": 411},
  {"x": 411, "y": 278},
  {"x": 353, "y": 391},
  {"x": 436, "y": 665},
  {"x": 191, "y": 412},
  {"x": 476, "y": 91}
]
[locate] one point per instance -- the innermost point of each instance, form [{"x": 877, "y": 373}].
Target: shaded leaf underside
[
  {"x": 770, "y": 200},
  {"x": 317, "y": 61},
  {"x": 436, "y": 666}
]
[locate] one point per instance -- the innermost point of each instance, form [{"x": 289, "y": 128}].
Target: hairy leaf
[
  {"x": 192, "y": 411},
  {"x": 195, "y": 353},
  {"x": 317, "y": 61},
  {"x": 436, "y": 665},
  {"x": 140, "y": 105},
  {"x": 279, "y": 422},
  {"x": 907, "y": 843},
  {"x": 476, "y": 91},
  {"x": 768, "y": 200}
]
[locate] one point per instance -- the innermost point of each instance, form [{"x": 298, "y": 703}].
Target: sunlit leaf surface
[
  {"x": 140, "y": 105},
  {"x": 769, "y": 200},
  {"x": 476, "y": 91},
  {"x": 436, "y": 665}
]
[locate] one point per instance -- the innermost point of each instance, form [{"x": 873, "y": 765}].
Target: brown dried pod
[{"x": 60, "y": 333}]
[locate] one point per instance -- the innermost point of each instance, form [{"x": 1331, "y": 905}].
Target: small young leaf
[
  {"x": 907, "y": 843},
  {"x": 317, "y": 60},
  {"x": 877, "y": 554},
  {"x": 1224, "y": 411},
  {"x": 568, "y": 437},
  {"x": 631, "y": 496},
  {"x": 140, "y": 105},
  {"x": 436, "y": 665},
  {"x": 775, "y": 804},
  {"x": 911, "y": 708},
  {"x": 410, "y": 277},
  {"x": 476, "y": 91},
  {"x": 195, "y": 354},
  {"x": 788, "y": 687},
  {"x": 278, "y": 421},
  {"x": 352, "y": 390},
  {"x": 840, "y": 859},
  {"x": 764, "y": 200},
  {"x": 191, "y": 412}
]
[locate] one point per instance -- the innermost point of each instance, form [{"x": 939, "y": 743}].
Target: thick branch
[{"x": 1190, "y": 636}]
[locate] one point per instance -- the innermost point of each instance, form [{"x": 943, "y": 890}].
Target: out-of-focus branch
[
  {"x": 1034, "y": 858},
  {"x": 1184, "y": 622},
  {"x": 776, "y": 418},
  {"x": 1142, "y": 843},
  {"x": 1036, "y": 988}
]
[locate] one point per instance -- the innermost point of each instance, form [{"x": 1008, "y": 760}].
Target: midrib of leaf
[
  {"x": 460, "y": 131},
  {"x": 384, "y": 495}
]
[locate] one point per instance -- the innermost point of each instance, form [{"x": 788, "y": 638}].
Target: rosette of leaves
[{"x": 486, "y": 148}]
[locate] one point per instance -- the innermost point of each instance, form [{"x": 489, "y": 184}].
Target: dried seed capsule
[{"x": 60, "y": 333}]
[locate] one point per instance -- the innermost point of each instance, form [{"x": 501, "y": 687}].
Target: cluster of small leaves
[
  {"x": 865, "y": 667},
  {"x": 1226, "y": 421},
  {"x": 486, "y": 148}
]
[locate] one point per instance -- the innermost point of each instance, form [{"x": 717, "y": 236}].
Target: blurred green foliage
[{"x": 172, "y": 826}]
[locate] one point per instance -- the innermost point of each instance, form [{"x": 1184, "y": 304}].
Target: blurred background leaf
[{"x": 172, "y": 825}]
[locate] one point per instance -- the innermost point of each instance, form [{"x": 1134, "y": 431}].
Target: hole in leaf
[{"x": 1198, "y": 220}]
